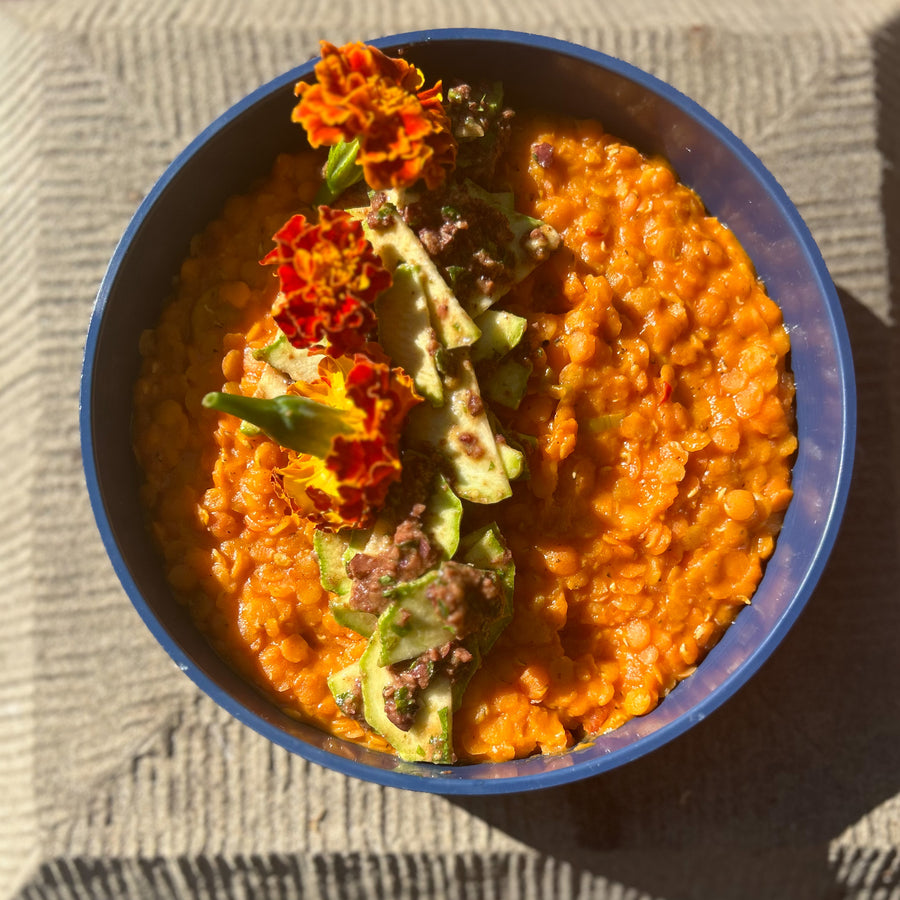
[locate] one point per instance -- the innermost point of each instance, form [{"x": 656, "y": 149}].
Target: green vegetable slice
[
  {"x": 296, "y": 364},
  {"x": 333, "y": 551},
  {"x": 411, "y": 624},
  {"x": 461, "y": 432},
  {"x": 500, "y": 332},
  {"x": 345, "y": 686},
  {"x": 506, "y": 381},
  {"x": 486, "y": 549},
  {"x": 396, "y": 243},
  {"x": 430, "y": 737},
  {"x": 406, "y": 334},
  {"x": 443, "y": 515}
]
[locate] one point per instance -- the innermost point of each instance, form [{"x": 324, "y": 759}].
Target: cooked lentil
[{"x": 662, "y": 406}]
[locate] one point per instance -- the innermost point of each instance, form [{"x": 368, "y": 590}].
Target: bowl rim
[{"x": 463, "y": 780}]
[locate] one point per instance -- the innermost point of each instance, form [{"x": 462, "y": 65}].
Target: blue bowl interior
[{"x": 546, "y": 74}]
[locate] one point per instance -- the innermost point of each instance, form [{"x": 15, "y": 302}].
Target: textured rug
[{"x": 118, "y": 779}]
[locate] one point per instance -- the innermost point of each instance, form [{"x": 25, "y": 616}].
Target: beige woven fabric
[{"x": 119, "y": 779}]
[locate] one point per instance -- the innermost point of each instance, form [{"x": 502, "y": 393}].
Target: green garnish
[
  {"x": 297, "y": 423},
  {"x": 341, "y": 171}
]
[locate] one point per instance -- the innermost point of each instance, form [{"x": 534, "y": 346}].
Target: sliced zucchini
[
  {"x": 333, "y": 551},
  {"x": 345, "y": 687},
  {"x": 532, "y": 241},
  {"x": 330, "y": 548},
  {"x": 459, "y": 684},
  {"x": 411, "y": 624},
  {"x": 281, "y": 354},
  {"x": 486, "y": 549},
  {"x": 355, "y": 619},
  {"x": 461, "y": 432},
  {"x": 506, "y": 382},
  {"x": 414, "y": 623},
  {"x": 443, "y": 515},
  {"x": 396, "y": 243},
  {"x": 511, "y": 447},
  {"x": 430, "y": 738},
  {"x": 249, "y": 429},
  {"x": 406, "y": 334},
  {"x": 513, "y": 460},
  {"x": 500, "y": 332}
]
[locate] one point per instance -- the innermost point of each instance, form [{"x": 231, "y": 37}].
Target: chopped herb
[
  {"x": 404, "y": 700},
  {"x": 385, "y": 212},
  {"x": 454, "y": 273},
  {"x": 598, "y": 424}
]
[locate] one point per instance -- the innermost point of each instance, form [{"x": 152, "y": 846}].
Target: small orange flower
[
  {"x": 404, "y": 132},
  {"x": 330, "y": 277},
  {"x": 347, "y": 487}
]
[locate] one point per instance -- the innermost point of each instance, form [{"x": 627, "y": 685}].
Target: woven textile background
[{"x": 118, "y": 779}]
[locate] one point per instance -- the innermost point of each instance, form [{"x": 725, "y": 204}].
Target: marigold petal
[
  {"x": 350, "y": 485},
  {"x": 329, "y": 277},
  {"x": 404, "y": 131}
]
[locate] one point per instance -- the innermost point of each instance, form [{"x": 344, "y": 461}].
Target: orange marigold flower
[
  {"x": 404, "y": 132},
  {"x": 348, "y": 486},
  {"x": 330, "y": 277}
]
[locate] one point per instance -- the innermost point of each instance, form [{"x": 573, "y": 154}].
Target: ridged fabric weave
[{"x": 119, "y": 780}]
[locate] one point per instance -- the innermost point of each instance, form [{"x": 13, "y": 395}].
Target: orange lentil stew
[{"x": 661, "y": 411}]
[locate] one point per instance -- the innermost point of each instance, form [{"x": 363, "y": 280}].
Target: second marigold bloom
[
  {"x": 330, "y": 277},
  {"x": 347, "y": 486},
  {"x": 404, "y": 132}
]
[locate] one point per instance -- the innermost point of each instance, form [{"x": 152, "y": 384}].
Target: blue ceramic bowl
[{"x": 546, "y": 73}]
